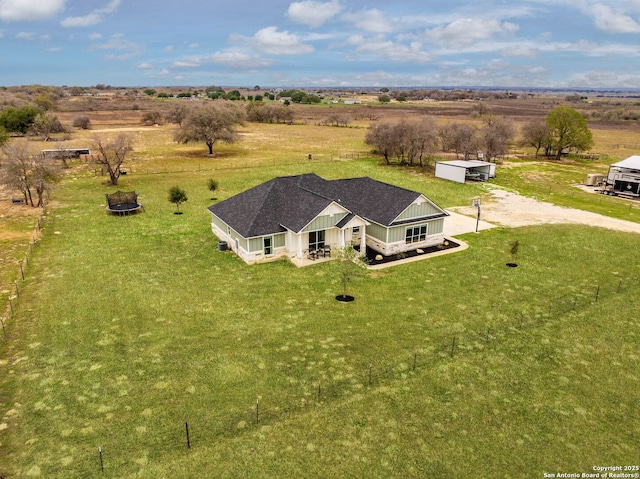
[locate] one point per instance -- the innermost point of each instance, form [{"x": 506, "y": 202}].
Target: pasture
[{"x": 126, "y": 329}]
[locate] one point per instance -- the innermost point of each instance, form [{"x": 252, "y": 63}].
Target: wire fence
[
  {"x": 21, "y": 272},
  {"x": 309, "y": 392}
]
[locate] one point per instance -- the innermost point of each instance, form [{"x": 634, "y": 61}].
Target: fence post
[
  {"x": 257, "y": 411},
  {"x": 597, "y": 293},
  {"x": 101, "y": 462},
  {"x": 369, "y": 374},
  {"x": 415, "y": 357},
  {"x": 186, "y": 426}
]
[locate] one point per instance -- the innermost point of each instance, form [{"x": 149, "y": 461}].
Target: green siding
[
  {"x": 419, "y": 211},
  {"x": 377, "y": 231},
  {"x": 324, "y": 222}
]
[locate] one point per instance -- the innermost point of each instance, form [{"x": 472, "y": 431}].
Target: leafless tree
[
  {"x": 45, "y": 124},
  {"x": 177, "y": 113},
  {"x": 409, "y": 142},
  {"x": 535, "y": 134},
  {"x": 496, "y": 136},
  {"x": 112, "y": 153},
  {"x": 29, "y": 171}
]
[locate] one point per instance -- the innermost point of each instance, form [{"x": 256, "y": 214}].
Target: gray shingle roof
[{"x": 291, "y": 202}]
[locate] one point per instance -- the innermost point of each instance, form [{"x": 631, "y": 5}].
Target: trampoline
[{"x": 123, "y": 203}]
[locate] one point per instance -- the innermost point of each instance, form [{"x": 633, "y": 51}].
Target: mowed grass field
[{"x": 128, "y": 328}]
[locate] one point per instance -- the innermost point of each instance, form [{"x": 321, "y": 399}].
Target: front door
[{"x": 267, "y": 244}]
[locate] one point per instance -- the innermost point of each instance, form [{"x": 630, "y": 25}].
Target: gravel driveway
[{"x": 510, "y": 209}]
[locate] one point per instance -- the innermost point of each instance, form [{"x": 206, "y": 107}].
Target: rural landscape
[{"x": 134, "y": 346}]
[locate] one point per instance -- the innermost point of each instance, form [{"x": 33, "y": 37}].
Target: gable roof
[{"x": 292, "y": 202}]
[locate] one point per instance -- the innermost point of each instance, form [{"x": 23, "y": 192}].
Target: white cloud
[
  {"x": 117, "y": 43},
  {"x": 28, "y": 36},
  {"x": 270, "y": 40},
  {"x": 467, "y": 31},
  {"x": 144, "y": 66},
  {"x": 373, "y": 21},
  {"x": 95, "y": 36},
  {"x": 313, "y": 13},
  {"x": 390, "y": 51},
  {"x": 92, "y": 18},
  {"x": 191, "y": 63},
  {"x": 239, "y": 60},
  {"x": 610, "y": 21},
  {"x": 27, "y": 10}
]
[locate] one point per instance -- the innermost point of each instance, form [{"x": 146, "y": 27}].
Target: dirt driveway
[{"x": 510, "y": 209}]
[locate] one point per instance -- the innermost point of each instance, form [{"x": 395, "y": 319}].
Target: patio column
[
  {"x": 299, "y": 254},
  {"x": 363, "y": 239}
]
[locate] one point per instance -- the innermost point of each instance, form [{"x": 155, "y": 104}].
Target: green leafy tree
[
  {"x": 177, "y": 196},
  {"x": 568, "y": 129},
  {"x": 384, "y": 98},
  {"x": 211, "y": 123},
  {"x": 18, "y": 120}
]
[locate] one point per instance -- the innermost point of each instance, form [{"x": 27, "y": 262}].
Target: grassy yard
[{"x": 126, "y": 328}]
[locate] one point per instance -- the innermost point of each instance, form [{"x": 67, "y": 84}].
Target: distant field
[{"x": 126, "y": 328}]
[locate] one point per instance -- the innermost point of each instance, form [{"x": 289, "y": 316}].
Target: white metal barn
[{"x": 462, "y": 170}]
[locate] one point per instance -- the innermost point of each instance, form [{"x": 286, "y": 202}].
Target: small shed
[
  {"x": 624, "y": 177},
  {"x": 463, "y": 170}
]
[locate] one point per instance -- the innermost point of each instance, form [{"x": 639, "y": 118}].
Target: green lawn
[{"x": 128, "y": 327}]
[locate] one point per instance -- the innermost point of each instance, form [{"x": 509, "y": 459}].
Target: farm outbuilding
[
  {"x": 624, "y": 177},
  {"x": 463, "y": 170}
]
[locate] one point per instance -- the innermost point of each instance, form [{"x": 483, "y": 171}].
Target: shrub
[{"x": 82, "y": 121}]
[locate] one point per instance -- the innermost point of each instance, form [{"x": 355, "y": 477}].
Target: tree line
[{"x": 415, "y": 142}]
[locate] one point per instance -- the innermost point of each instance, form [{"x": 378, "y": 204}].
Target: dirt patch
[{"x": 513, "y": 210}]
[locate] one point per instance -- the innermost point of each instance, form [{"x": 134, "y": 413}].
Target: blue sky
[{"x": 530, "y": 43}]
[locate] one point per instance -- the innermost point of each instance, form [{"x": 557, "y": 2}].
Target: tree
[
  {"x": 384, "y": 98},
  {"x": 45, "y": 125},
  {"x": 177, "y": 196},
  {"x": 211, "y": 123},
  {"x": 4, "y": 136},
  {"x": 18, "y": 120},
  {"x": 212, "y": 185},
  {"x": 28, "y": 171},
  {"x": 112, "y": 153},
  {"x": 351, "y": 264},
  {"x": 568, "y": 129},
  {"x": 177, "y": 113},
  {"x": 82, "y": 121},
  {"x": 152, "y": 117},
  {"x": 495, "y": 137},
  {"x": 535, "y": 134}
]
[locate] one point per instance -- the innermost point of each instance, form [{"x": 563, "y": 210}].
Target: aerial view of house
[{"x": 305, "y": 215}]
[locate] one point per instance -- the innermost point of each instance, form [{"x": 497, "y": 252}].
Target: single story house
[
  {"x": 462, "y": 170},
  {"x": 624, "y": 177},
  {"x": 294, "y": 216}
]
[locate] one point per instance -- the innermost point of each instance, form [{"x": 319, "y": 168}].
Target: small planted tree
[
  {"x": 513, "y": 250},
  {"x": 177, "y": 196},
  {"x": 212, "y": 185},
  {"x": 351, "y": 264}
]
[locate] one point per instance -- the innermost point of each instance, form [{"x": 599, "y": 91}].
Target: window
[
  {"x": 267, "y": 243},
  {"x": 356, "y": 229},
  {"x": 316, "y": 240},
  {"x": 416, "y": 234}
]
